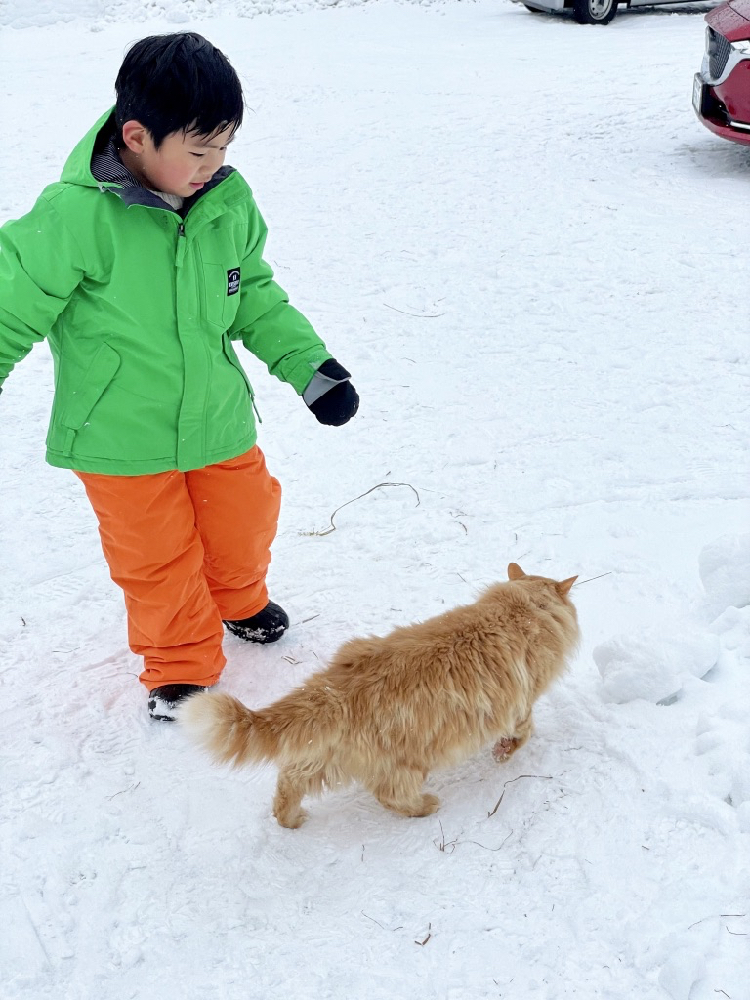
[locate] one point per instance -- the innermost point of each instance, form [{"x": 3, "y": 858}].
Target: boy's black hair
[{"x": 178, "y": 83}]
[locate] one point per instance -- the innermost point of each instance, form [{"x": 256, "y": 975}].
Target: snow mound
[
  {"x": 724, "y": 568},
  {"x": 654, "y": 665},
  {"x": 22, "y": 14}
]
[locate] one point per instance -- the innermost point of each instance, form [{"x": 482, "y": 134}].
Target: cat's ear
[
  {"x": 565, "y": 585},
  {"x": 515, "y": 572}
]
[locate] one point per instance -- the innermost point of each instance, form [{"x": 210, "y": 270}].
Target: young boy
[{"x": 142, "y": 265}]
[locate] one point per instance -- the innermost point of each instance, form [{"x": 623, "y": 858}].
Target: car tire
[{"x": 594, "y": 11}]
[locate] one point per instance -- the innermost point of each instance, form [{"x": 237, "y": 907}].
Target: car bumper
[
  {"x": 724, "y": 107},
  {"x": 548, "y": 5}
]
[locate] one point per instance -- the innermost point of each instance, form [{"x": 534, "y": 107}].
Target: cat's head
[{"x": 562, "y": 587}]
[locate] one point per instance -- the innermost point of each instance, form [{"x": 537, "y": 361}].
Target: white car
[{"x": 591, "y": 11}]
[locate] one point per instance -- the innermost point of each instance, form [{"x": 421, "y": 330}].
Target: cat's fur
[{"x": 388, "y": 710}]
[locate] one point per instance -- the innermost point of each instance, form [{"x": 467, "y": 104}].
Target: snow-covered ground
[{"x": 534, "y": 260}]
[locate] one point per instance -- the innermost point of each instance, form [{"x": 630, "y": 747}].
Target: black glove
[{"x": 330, "y": 395}]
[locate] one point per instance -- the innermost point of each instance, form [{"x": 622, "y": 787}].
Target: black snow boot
[
  {"x": 163, "y": 701},
  {"x": 267, "y": 626}
]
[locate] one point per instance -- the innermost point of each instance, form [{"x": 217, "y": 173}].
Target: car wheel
[{"x": 594, "y": 11}]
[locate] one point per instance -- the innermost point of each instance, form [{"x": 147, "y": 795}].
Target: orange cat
[{"x": 388, "y": 710}]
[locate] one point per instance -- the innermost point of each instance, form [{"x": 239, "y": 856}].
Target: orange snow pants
[{"x": 188, "y": 549}]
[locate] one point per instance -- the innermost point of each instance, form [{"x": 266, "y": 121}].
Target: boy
[{"x": 141, "y": 266}]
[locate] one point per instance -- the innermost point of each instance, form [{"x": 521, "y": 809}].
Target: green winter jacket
[{"x": 140, "y": 307}]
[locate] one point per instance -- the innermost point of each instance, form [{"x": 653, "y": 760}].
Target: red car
[{"x": 721, "y": 91}]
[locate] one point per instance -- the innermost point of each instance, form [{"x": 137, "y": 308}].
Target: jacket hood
[{"x": 77, "y": 169}]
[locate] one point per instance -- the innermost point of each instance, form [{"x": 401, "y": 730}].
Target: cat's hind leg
[
  {"x": 401, "y": 791},
  {"x": 294, "y": 783},
  {"x": 507, "y": 746}
]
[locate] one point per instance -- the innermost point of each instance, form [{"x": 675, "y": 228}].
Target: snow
[
  {"x": 22, "y": 14},
  {"x": 655, "y": 664},
  {"x": 724, "y": 567},
  {"x": 516, "y": 235}
]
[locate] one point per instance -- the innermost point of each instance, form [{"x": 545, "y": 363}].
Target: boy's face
[{"x": 181, "y": 165}]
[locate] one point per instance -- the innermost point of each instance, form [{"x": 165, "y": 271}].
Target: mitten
[{"x": 330, "y": 395}]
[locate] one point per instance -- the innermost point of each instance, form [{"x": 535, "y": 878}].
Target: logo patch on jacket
[{"x": 233, "y": 281}]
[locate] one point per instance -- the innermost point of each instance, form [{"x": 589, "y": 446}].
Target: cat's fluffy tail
[{"x": 227, "y": 729}]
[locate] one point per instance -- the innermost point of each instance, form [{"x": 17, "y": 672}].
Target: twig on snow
[
  {"x": 442, "y": 845},
  {"x": 332, "y": 526},
  {"x": 123, "y": 790},
  {"x": 425, "y": 940},
  {"x": 547, "y": 777},
  {"x": 711, "y": 916},
  {"x": 399, "y": 928},
  {"x": 487, "y": 848},
  {"x": 415, "y": 315}
]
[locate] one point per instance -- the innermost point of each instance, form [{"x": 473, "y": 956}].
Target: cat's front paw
[{"x": 292, "y": 819}]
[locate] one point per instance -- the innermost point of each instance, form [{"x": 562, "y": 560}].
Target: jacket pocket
[
  {"x": 83, "y": 399},
  {"x": 234, "y": 361},
  {"x": 221, "y": 293}
]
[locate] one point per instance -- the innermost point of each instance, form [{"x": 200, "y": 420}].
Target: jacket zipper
[{"x": 181, "y": 244}]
